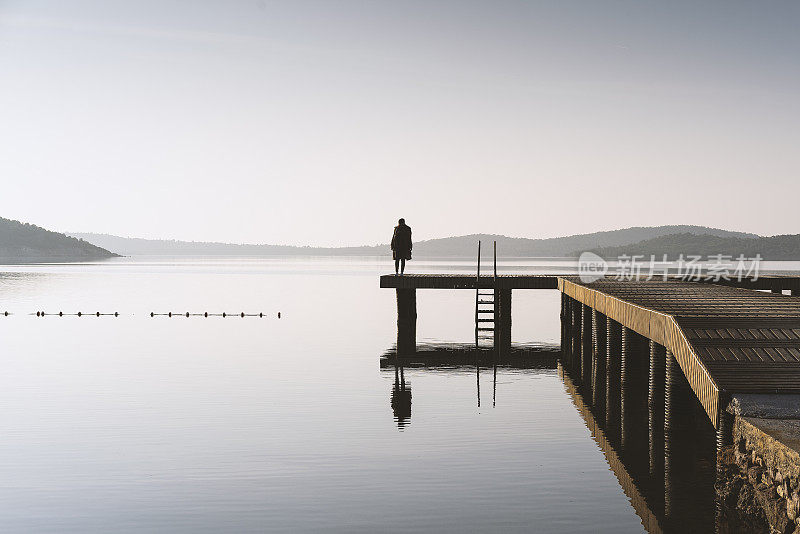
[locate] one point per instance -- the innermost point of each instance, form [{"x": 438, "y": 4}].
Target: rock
[
  {"x": 754, "y": 475},
  {"x": 769, "y": 475},
  {"x": 793, "y": 507}
]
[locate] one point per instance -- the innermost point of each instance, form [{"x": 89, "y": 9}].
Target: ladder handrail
[
  {"x": 495, "y": 298},
  {"x": 495, "y": 264},
  {"x": 477, "y": 293}
]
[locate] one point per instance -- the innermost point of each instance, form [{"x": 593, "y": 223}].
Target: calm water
[{"x": 281, "y": 425}]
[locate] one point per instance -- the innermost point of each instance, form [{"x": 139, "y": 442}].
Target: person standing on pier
[{"x": 401, "y": 246}]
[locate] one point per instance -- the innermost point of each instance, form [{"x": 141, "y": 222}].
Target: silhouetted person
[{"x": 401, "y": 246}]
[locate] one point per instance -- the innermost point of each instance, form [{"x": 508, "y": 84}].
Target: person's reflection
[{"x": 401, "y": 397}]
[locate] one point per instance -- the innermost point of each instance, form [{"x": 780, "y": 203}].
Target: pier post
[
  {"x": 613, "y": 350},
  {"x": 575, "y": 352},
  {"x": 677, "y": 438},
  {"x": 586, "y": 347},
  {"x": 625, "y": 388},
  {"x": 502, "y": 324},
  {"x": 598, "y": 359},
  {"x": 406, "y": 321},
  {"x": 567, "y": 332},
  {"x": 724, "y": 442},
  {"x": 655, "y": 408},
  {"x": 563, "y": 318}
]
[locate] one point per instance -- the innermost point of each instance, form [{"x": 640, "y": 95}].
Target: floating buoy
[
  {"x": 79, "y": 314},
  {"x": 205, "y": 314},
  {"x": 260, "y": 314},
  {"x": 279, "y": 315},
  {"x": 223, "y": 314},
  {"x": 116, "y": 314},
  {"x": 152, "y": 314},
  {"x": 98, "y": 314},
  {"x": 170, "y": 314},
  {"x": 37, "y": 314},
  {"x": 61, "y": 314},
  {"x": 242, "y": 314}
]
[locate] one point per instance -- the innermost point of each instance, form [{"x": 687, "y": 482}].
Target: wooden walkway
[
  {"x": 550, "y": 281},
  {"x": 459, "y": 281},
  {"x": 726, "y": 340}
]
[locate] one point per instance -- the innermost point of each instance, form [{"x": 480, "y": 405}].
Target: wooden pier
[{"x": 723, "y": 339}]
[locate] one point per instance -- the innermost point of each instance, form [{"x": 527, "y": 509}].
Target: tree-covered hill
[
  {"x": 23, "y": 242},
  {"x": 457, "y": 246},
  {"x": 779, "y": 247}
]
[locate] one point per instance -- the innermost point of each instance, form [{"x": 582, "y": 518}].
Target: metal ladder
[{"x": 485, "y": 306}]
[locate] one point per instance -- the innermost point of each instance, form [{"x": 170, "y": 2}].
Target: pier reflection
[
  {"x": 401, "y": 397},
  {"x": 664, "y": 462},
  {"x": 459, "y": 357},
  {"x": 658, "y": 441}
]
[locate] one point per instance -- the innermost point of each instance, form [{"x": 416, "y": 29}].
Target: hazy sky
[{"x": 306, "y": 122}]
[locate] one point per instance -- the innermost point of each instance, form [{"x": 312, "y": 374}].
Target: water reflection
[
  {"x": 669, "y": 477},
  {"x": 401, "y": 396},
  {"x": 452, "y": 356},
  {"x": 667, "y": 471}
]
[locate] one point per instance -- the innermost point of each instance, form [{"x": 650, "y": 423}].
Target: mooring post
[
  {"x": 655, "y": 408},
  {"x": 502, "y": 325},
  {"x": 613, "y": 349},
  {"x": 406, "y": 321}
]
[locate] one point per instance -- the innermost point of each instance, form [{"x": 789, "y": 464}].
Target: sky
[{"x": 323, "y": 122}]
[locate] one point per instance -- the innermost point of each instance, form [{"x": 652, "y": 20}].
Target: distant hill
[
  {"x": 460, "y": 246},
  {"x": 23, "y": 242},
  {"x": 779, "y": 247}
]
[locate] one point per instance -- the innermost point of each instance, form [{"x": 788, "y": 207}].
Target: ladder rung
[
  {"x": 485, "y": 329},
  {"x": 485, "y": 320},
  {"x": 485, "y": 302},
  {"x": 485, "y": 311}
]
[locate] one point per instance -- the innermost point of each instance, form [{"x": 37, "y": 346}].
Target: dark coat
[{"x": 401, "y": 242}]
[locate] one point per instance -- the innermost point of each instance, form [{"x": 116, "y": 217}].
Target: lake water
[{"x": 154, "y": 424}]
